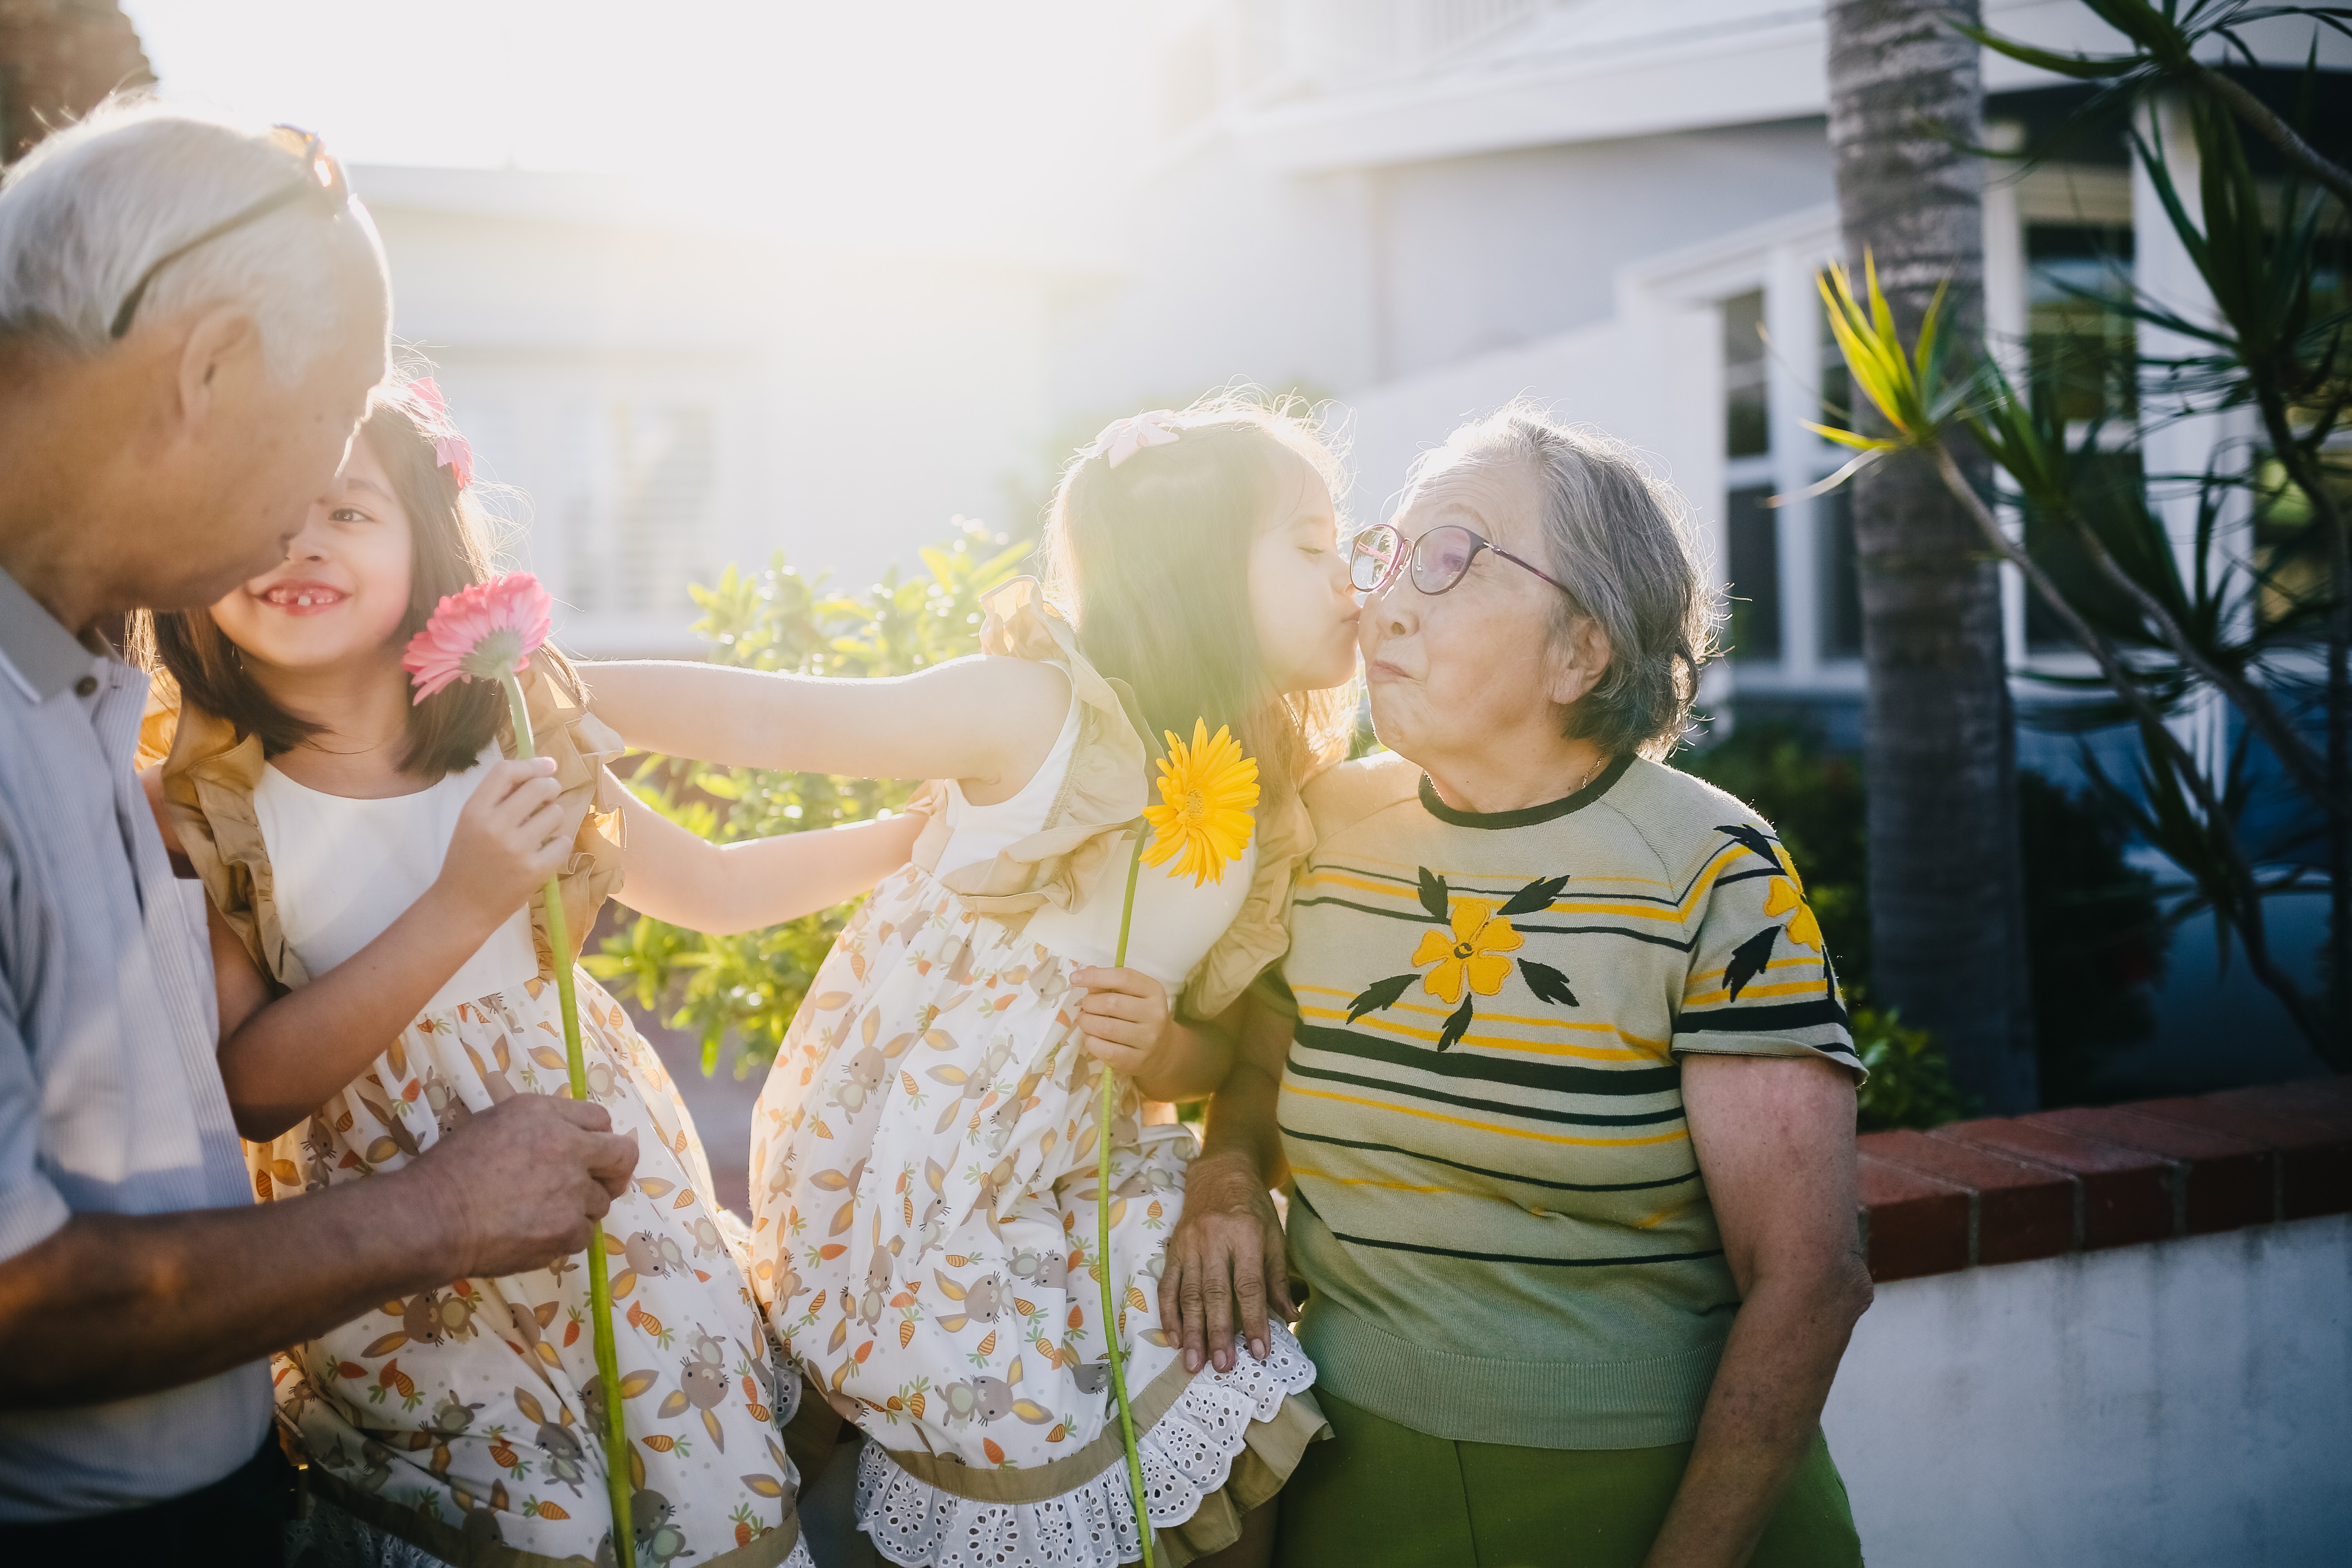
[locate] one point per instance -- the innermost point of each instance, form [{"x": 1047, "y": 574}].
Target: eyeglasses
[
  {"x": 321, "y": 184},
  {"x": 1439, "y": 558}
]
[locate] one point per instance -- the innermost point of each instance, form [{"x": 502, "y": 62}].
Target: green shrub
[
  {"x": 749, "y": 987},
  {"x": 1910, "y": 1083}
]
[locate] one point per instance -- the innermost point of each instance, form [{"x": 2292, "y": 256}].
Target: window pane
[
  {"x": 640, "y": 532},
  {"x": 1753, "y": 536},
  {"x": 2109, "y": 491},
  {"x": 1841, "y": 574},
  {"x": 2077, "y": 348},
  {"x": 2291, "y": 546},
  {"x": 1746, "y": 433}
]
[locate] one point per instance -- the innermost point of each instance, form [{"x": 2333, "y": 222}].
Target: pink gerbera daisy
[{"x": 479, "y": 633}]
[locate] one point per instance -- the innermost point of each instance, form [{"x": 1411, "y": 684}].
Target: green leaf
[
  {"x": 2082, "y": 68},
  {"x": 1457, "y": 1024},
  {"x": 1849, "y": 438},
  {"x": 1379, "y": 995},
  {"x": 1536, "y": 895},
  {"x": 1433, "y": 893},
  {"x": 1547, "y": 983}
]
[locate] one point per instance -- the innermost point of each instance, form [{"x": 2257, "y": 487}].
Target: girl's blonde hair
[
  {"x": 1150, "y": 562},
  {"x": 449, "y": 549}
]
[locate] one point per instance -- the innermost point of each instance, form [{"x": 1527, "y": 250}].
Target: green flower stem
[
  {"x": 600, "y": 1285},
  {"x": 1102, "y": 1235}
]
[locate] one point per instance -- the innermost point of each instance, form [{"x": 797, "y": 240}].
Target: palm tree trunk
[{"x": 1947, "y": 889}]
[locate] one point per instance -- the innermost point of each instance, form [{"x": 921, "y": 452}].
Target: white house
[
  {"x": 662, "y": 393},
  {"x": 1427, "y": 207}
]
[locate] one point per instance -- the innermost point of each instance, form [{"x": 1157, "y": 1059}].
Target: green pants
[{"x": 1377, "y": 1494}]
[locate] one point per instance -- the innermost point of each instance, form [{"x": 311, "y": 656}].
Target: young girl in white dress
[
  {"x": 923, "y": 1166},
  {"x": 369, "y": 862}
]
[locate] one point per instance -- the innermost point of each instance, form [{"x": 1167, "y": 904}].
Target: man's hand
[
  {"x": 518, "y": 1186},
  {"x": 1225, "y": 1253}
]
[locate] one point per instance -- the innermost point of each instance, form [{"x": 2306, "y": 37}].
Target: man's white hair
[{"x": 91, "y": 207}]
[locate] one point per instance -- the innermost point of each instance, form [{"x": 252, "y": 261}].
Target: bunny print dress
[
  {"x": 923, "y": 1175},
  {"x": 466, "y": 1421}
]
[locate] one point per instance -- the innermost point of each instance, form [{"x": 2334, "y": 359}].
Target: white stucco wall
[
  {"x": 857, "y": 400},
  {"x": 2187, "y": 1403}
]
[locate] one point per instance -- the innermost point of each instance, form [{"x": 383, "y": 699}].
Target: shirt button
[{"x": 86, "y": 687}]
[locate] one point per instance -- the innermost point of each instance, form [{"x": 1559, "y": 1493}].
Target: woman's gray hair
[
  {"x": 1620, "y": 539},
  {"x": 91, "y": 207}
]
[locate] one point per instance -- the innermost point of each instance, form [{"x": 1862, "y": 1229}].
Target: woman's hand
[
  {"x": 1225, "y": 1254},
  {"x": 510, "y": 838}
]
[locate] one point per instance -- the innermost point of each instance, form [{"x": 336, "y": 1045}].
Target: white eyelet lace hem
[{"x": 1187, "y": 1454}]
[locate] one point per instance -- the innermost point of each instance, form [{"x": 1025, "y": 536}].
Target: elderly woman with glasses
[{"x": 1556, "y": 1074}]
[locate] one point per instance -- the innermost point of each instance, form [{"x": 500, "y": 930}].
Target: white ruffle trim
[
  {"x": 800, "y": 1557},
  {"x": 1187, "y": 1454}
]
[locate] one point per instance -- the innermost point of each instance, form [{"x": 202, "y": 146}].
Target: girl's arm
[
  {"x": 988, "y": 721},
  {"x": 722, "y": 889},
  {"x": 282, "y": 1058}
]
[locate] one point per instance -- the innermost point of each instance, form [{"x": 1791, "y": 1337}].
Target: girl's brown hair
[
  {"x": 1150, "y": 562},
  {"x": 449, "y": 549}
]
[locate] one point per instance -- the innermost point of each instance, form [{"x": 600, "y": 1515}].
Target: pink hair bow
[
  {"x": 1122, "y": 439},
  {"x": 450, "y": 449}
]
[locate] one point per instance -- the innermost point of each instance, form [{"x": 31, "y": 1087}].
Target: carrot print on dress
[{"x": 477, "y": 1404}]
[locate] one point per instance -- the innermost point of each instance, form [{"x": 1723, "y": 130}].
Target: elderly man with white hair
[{"x": 191, "y": 318}]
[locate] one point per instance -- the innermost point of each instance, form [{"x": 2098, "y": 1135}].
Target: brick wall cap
[
  {"x": 2279, "y": 1129},
  {"x": 1885, "y": 1182},
  {"x": 1965, "y": 1164},
  {"x": 1995, "y": 1190},
  {"x": 2156, "y": 1135},
  {"x": 2068, "y": 1150}
]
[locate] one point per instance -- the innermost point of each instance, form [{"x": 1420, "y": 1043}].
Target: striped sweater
[{"x": 1495, "y": 1206}]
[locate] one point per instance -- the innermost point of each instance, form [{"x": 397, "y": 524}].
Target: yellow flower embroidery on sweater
[
  {"x": 1479, "y": 937},
  {"x": 1468, "y": 953},
  {"x": 1786, "y": 894}
]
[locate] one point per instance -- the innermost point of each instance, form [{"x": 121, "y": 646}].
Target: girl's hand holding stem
[
  {"x": 283, "y": 1054},
  {"x": 510, "y": 838},
  {"x": 1129, "y": 1028}
]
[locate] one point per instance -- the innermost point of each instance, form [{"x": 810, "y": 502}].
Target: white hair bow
[{"x": 1122, "y": 439}]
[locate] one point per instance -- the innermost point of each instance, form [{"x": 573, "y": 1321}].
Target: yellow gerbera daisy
[
  {"x": 1479, "y": 936},
  {"x": 1207, "y": 791}
]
